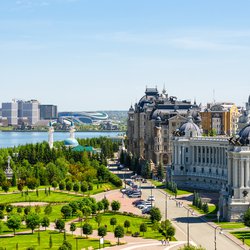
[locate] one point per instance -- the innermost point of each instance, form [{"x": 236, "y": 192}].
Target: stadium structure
[{"x": 83, "y": 117}]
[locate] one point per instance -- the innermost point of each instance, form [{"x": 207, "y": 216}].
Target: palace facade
[{"x": 151, "y": 123}]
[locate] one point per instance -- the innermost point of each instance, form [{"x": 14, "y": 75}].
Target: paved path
[{"x": 200, "y": 232}]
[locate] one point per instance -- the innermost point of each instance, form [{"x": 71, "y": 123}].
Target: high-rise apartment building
[
  {"x": 48, "y": 112},
  {"x": 29, "y": 109},
  {"x": 9, "y": 110}
]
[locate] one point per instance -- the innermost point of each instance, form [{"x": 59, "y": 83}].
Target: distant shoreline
[{"x": 63, "y": 131}]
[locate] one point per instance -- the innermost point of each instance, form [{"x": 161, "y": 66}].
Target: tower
[
  {"x": 51, "y": 135},
  {"x": 72, "y": 130}
]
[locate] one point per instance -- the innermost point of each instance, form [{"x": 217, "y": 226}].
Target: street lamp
[
  {"x": 215, "y": 238},
  {"x": 192, "y": 213}
]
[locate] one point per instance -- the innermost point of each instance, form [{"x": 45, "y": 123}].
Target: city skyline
[{"x": 86, "y": 55}]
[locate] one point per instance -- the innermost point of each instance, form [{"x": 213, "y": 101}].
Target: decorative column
[
  {"x": 229, "y": 171},
  {"x": 242, "y": 173},
  {"x": 197, "y": 155},
  {"x": 183, "y": 154},
  {"x": 235, "y": 173},
  {"x": 179, "y": 154},
  {"x": 247, "y": 173},
  {"x": 205, "y": 155},
  {"x": 201, "y": 147},
  {"x": 193, "y": 159}
]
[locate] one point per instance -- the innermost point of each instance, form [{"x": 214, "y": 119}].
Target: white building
[
  {"x": 214, "y": 163},
  {"x": 199, "y": 162}
]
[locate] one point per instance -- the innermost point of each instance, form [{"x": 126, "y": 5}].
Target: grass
[
  {"x": 57, "y": 197},
  {"x": 179, "y": 192},
  {"x": 134, "y": 224},
  {"x": 28, "y": 240},
  {"x": 242, "y": 235},
  {"x": 231, "y": 225},
  {"x": 211, "y": 210},
  {"x": 55, "y": 214}
]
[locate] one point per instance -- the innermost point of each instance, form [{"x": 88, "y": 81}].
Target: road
[{"x": 200, "y": 232}]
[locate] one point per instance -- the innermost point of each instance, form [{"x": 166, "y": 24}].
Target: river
[{"x": 11, "y": 139}]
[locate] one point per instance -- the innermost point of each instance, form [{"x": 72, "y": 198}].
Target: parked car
[
  {"x": 151, "y": 198},
  {"x": 135, "y": 195},
  {"x": 146, "y": 210},
  {"x": 144, "y": 181},
  {"x": 137, "y": 202}
]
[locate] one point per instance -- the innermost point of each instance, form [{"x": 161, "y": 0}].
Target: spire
[
  {"x": 164, "y": 89},
  {"x": 194, "y": 101},
  {"x": 51, "y": 135},
  {"x": 72, "y": 130}
]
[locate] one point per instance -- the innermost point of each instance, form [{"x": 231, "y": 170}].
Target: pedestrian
[
  {"x": 165, "y": 242},
  {"x": 162, "y": 242}
]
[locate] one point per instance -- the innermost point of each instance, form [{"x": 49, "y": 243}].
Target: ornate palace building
[
  {"x": 214, "y": 163},
  {"x": 151, "y": 124}
]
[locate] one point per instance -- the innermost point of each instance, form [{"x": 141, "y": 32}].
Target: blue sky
[{"x": 101, "y": 54}]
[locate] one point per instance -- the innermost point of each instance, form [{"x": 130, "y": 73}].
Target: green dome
[{"x": 71, "y": 142}]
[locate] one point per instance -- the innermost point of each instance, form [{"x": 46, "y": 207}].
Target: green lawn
[
  {"x": 53, "y": 197},
  {"x": 211, "y": 210},
  {"x": 179, "y": 192},
  {"x": 134, "y": 224},
  {"x": 243, "y": 234},
  {"x": 231, "y": 225},
  {"x": 29, "y": 240},
  {"x": 55, "y": 214}
]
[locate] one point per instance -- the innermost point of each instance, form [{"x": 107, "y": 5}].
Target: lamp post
[
  {"x": 215, "y": 237},
  {"x": 188, "y": 210}
]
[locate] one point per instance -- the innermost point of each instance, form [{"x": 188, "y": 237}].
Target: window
[
  {"x": 186, "y": 159},
  {"x": 210, "y": 170},
  {"x": 186, "y": 150},
  {"x": 194, "y": 169},
  {"x": 202, "y": 170}
]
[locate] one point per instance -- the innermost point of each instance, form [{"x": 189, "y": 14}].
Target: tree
[
  {"x": 50, "y": 242},
  {"x": 62, "y": 185},
  {"x": 66, "y": 211},
  {"x": 32, "y": 183},
  {"x": 170, "y": 232},
  {"x": 127, "y": 224},
  {"x": 86, "y": 211},
  {"x": 14, "y": 222},
  {"x": 72, "y": 227},
  {"x": 155, "y": 214},
  {"x": 100, "y": 206},
  {"x": 113, "y": 222},
  {"x": 13, "y": 180},
  {"x": 119, "y": 233},
  {"x": 87, "y": 229},
  {"x": 60, "y": 225},
  {"x": 115, "y": 205},
  {"x": 68, "y": 185},
  {"x": 48, "y": 209},
  {"x": 20, "y": 185},
  {"x": 84, "y": 186},
  {"x": 76, "y": 187},
  {"x": 5, "y": 186},
  {"x": 65, "y": 246},
  {"x": 102, "y": 231},
  {"x": 105, "y": 204},
  {"x": 54, "y": 184},
  {"x": 160, "y": 172},
  {"x": 45, "y": 222},
  {"x": 205, "y": 207},
  {"x": 98, "y": 219},
  {"x": 143, "y": 228},
  {"x": 27, "y": 210},
  {"x": 32, "y": 221},
  {"x": 246, "y": 218}
]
